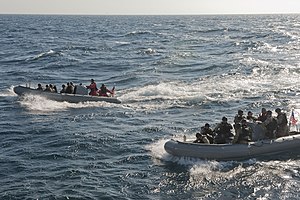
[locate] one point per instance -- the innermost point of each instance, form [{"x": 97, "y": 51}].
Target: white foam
[
  {"x": 157, "y": 149},
  {"x": 41, "y": 104},
  {"x": 8, "y": 92}
]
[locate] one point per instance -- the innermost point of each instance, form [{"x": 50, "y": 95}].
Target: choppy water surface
[{"x": 172, "y": 74}]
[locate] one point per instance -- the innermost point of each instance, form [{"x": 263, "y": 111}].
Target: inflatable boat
[
  {"x": 72, "y": 98},
  {"x": 234, "y": 151}
]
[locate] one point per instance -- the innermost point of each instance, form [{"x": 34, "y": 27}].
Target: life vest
[
  {"x": 93, "y": 88},
  {"x": 103, "y": 90},
  {"x": 272, "y": 125},
  {"x": 224, "y": 130},
  {"x": 284, "y": 119}
]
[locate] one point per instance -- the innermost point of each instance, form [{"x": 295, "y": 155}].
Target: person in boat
[
  {"x": 250, "y": 117},
  {"x": 103, "y": 91},
  {"x": 238, "y": 118},
  {"x": 69, "y": 88},
  {"x": 93, "y": 88},
  {"x": 223, "y": 132},
  {"x": 39, "y": 87},
  {"x": 47, "y": 89},
  {"x": 80, "y": 89},
  {"x": 263, "y": 115},
  {"x": 207, "y": 131},
  {"x": 282, "y": 124},
  {"x": 51, "y": 87},
  {"x": 63, "y": 89},
  {"x": 54, "y": 89},
  {"x": 243, "y": 133},
  {"x": 271, "y": 125},
  {"x": 201, "y": 139}
]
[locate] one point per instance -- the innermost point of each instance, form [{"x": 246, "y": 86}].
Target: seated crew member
[
  {"x": 250, "y": 117},
  {"x": 238, "y": 118},
  {"x": 207, "y": 131},
  {"x": 52, "y": 88},
  {"x": 69, "y": 88},
  {"x": 201, "y": 139},
  {"x": 243, "y": 133},
  {"x": 93, "y": 88},
  {"x": 223, "y": 132},
  {"x": 47, "y": 89},
  {"x": 103, "y": 91},
  {"x": 263, "y": 115},
  {"x": 39, "y": 87},
  {"x": 63, "y": 89},
  {"x": 271, "y": 124},
  {"x": 282, "y": 124}
]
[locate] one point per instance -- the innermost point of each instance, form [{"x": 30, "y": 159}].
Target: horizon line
[{"x": 149, "y": 14}]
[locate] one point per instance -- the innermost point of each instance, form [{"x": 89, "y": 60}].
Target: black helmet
[
  {"x": 224, "y": 119},
  {"x": 278, "y": 110}
]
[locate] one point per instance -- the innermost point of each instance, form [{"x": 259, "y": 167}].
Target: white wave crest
[{"x": 37, "y": 103}]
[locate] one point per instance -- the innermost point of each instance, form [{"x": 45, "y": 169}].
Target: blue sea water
[{"x": 172, "y": 74}]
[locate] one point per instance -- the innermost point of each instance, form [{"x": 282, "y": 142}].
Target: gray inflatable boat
[
  {"x": 72, "y": 98},
  {"x": 233, "y": 151}
]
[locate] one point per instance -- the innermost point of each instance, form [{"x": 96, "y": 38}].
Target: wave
[
  {"x": 38, "y": 104},
  {"x": 9, "y": 92},
  {"x": 49, "y": 53},
  {"x": 162, "y": 91},
  {"x": 134, "y": 33},
  {"x": 232, "y": 87},
  {"x": 212, "y": 30}
]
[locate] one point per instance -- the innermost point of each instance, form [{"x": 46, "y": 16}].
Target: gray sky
[{"x": 146, "y": 7}]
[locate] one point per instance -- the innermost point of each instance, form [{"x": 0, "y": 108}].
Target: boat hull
[
  {"x": 72, "y": 98},
  {"x": 233, "y": 151}
]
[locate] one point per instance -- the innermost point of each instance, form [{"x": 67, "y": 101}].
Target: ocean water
[{"x": 173, "y": 74}]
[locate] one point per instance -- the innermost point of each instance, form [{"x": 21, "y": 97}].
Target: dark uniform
[
  {"x": 223, "y": 132},
  {"x": 206, "y": 130}
]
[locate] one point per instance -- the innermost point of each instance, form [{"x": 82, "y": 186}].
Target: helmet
[
  {"x": 278, "y": 110},
  {"x": 224, "y": 119}
]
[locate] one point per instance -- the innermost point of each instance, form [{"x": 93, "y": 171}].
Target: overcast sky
[{"x": 148, "y": 7}]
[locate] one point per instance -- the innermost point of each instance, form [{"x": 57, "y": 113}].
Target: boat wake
[
  {"x": 37, "y": 103},
  {"x": 9, "y": 92}
]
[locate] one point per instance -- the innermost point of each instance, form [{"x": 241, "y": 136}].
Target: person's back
[
  {"x": 63, "y": 89},
  {"x": 282, "y": 127},
  {"x": 201, "y": 139},
  {"x": 47, "y": 89},
  {"x": 55, "y": 89},
  {"x": 51, "y": 88},
  {"x": 40, "y": 87},
  {"x": 103, "y": 91},
  {"x": 69, "y": 89},
  {"x": 271, "y": 127}
]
